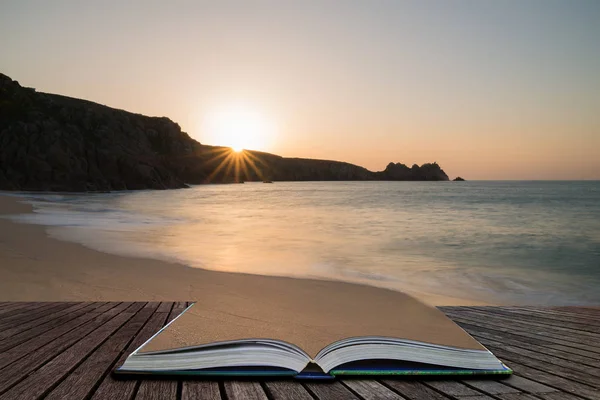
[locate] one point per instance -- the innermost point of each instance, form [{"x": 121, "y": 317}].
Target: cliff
[{"x": 55, "y": 143}]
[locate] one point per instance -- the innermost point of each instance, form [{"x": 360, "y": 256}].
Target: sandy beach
[{"x": 35, "y": 267}]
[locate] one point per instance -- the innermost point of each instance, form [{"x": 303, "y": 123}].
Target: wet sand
[{"x": 35, "y": 267}]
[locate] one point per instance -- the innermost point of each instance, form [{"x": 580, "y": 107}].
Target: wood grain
[
  {"x": 200, "y": 390},
  {"x": 279, "y": 390},
  {"x": 413, "y": 390},
  {"x": 370, "y": 389},
  {"x": 81, "y": 381},
  {"x": 167, "y": 386},
  {"x": 236, "y": 390},
  {"x": 330, "y": 390},
  {"x": 62, "y": 350}
]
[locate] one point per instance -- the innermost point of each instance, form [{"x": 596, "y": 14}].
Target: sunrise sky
[{"x": 488, "y": 89}]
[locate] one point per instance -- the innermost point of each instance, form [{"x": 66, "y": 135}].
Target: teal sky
[{"x": 488, "y": 89}]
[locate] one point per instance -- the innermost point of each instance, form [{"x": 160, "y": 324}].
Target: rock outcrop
[
  {"x": 458, "y": 179},
  {"x": 401, "y": 172},
  {"x": 50, "y": 142},
  {"x": 57, "y": 143}
]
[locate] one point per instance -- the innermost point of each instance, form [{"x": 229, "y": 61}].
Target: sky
[{"x": 489, "y": 89}]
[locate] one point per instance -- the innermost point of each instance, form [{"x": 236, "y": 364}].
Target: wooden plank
[
  {"x": 478, "y": 397},
  {"x": 414, "y": 390},
  {"x": 244, "y": 390},
  {"x": 200, "y": 390},
  {"x": 9, "y": 302},
  {"x": 178, "y": 308},
  {"x": 592, "y": 370},
  {"x": 530, "y": 348},
  {"x": 577, "y": 309},
  {"x": 33, "y": 315},
  {"x": 80, "y": 382},
  {"x": 566, "y": 372},
  {"x": 175, "y": 311},
  {"x": 110, "y": 387},
  {"x": 165, "y": 307},
  {"x": 545, "y": 362},
  {"x": 22, "y": 310},
  {"x": 168, "y": 386},
  {"x": 488, "y": 386},
  {"x": 370, "y": 389},
  {"x": 555, "y": 315},
  {"x": 17, "y": 306},
  {"x": 153, "y": 304},
  {"x": 539, "y": 345},
  {"x": 42, "y": 380},
  {"x": 540, "y": 310},
  {"x": 561, "y": 383},
  {"x": 517, "y": 396},
  {"x": 28, "y": 313},
  {"x": 573, "y": 350},
  {"x": 567, "y": 309},
  {"x": 591, "y": 311},
  {"x": 6, "y": 333},
  {"x": 527, "y": 385},
  {"x": 534, "y": 317},
  {"x": 532, "y": 325},
  {"x": 329, "y": 390},
  {"x": 515, "y": 328},
  {"x": 452, "y": 388},
  {"x": 156, "y": 389},
  {"x": 159, "y": 389},
  {"x": 286, "y": 390},
  {"x": 556, "y": 396},
  {"x": 13, "y": 348},
  {"x": 18, "y": 370}
]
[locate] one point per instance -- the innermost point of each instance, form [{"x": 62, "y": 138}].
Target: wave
[{"x": 423, "y": 242}]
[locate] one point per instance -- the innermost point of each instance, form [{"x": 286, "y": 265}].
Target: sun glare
[{"x": 238, "y": 128}]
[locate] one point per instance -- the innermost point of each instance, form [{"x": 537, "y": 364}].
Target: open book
[{"x": 417, "y": 340}]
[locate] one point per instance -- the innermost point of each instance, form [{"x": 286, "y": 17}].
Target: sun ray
[
  {"x": 235, "y": 166},
  {"x": 220, "y": 153},
  {"x": 250, "y": 162},
  {"x": 230, "y": 165},
  {"x": 237, "y": 169},
  {"x": 255, "y": 158},
  {"x": 227, "y": 160}
]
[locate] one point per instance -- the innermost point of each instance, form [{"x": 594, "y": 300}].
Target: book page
[{"x": 311, "y": 318}]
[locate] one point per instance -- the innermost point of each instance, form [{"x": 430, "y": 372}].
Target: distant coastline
[{"x": 56, "y": 143}]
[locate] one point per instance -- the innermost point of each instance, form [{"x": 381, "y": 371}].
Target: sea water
[{"x": 509, "y": 242}]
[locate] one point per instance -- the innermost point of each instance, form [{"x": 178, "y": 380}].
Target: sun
[{"x": 240, "y": 128}]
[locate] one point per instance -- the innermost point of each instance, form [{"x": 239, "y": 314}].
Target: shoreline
[{"x": 36, "y": 267}]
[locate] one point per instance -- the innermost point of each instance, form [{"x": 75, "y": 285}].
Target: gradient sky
[{"x": 488, "y": 89}]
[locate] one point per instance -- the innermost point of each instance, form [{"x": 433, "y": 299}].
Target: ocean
[{"x": 511, "y": 242}]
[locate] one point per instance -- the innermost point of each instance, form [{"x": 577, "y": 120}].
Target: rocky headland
[{"x": 50, "y": 142}]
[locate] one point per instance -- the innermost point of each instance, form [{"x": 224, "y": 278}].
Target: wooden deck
[{"x": 67, "y": 351}]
